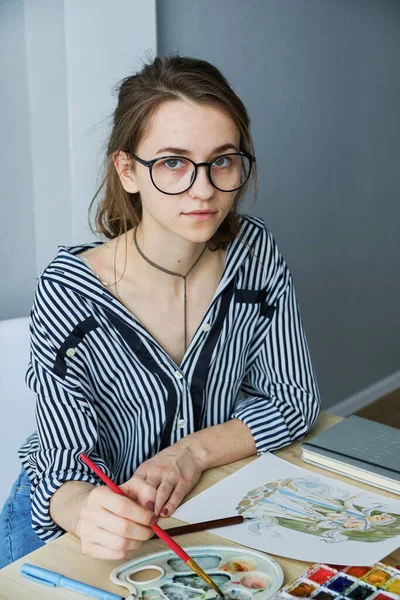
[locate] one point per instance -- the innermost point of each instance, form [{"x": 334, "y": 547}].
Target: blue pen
[{"x": 39, "y": 575}]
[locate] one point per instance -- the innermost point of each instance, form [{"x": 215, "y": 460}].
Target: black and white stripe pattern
[{"x": 105, "y": 387}]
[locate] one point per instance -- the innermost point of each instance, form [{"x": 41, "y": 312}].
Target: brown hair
[{"x": 171, "y": 78}]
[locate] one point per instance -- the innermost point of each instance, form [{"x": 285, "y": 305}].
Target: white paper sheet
[{"x": 299, "y": 514}]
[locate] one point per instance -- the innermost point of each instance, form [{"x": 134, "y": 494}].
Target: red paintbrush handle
[
  {"x": 102, "y": 475},
  {"x": 170, "y": 543}
]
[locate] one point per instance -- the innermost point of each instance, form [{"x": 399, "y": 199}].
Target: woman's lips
[{"x": 201, "y": 216}]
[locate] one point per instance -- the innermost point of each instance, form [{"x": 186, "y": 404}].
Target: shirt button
[
  {"x": 178, "y": 375},
  {"x": 71, "y": 352},
  {"x": 206, "y": 327},
  {"x": 181, "y": 423}
]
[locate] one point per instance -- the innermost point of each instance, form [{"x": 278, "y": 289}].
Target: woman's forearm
[
  {"x": 221, "y": 444},
  {"x": 66, "y": 504},
  {"x": 212, "y": 447}
]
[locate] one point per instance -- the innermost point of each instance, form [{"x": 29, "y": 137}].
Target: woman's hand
[
  {"x": 110, "y": 526},
  {"x": 173, "y": 472}
]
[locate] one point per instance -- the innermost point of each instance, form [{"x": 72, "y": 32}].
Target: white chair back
[{"x": 16, "y": 399}]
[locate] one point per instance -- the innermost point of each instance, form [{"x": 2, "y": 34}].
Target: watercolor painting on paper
[
  {"x": 292, "y": 512},
  {"x": 306, "y": 504}
]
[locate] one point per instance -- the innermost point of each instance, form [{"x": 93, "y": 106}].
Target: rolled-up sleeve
[
  {"x": 281, "y": 400},
  {"x": 66, "y": 426}
]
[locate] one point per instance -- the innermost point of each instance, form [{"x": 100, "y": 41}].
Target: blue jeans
[{"x": 17, "y": 537}]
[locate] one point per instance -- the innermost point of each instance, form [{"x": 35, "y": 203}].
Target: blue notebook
[{"x": 359, "y": 448}]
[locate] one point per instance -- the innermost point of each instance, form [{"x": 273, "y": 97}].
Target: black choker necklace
[{"x": 153, "y": 264}]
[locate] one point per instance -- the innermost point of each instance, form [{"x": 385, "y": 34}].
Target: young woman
[{"x": 173, "y": 347}]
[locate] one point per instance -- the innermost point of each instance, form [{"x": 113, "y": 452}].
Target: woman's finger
[
  {"x": 123, "y": 507},
  {"x": 154, "y": 480},
  {"x": 145, "y": 494},
  {"x": 164, "y": 491},
  {"x": 102, "y": 553},
  {"x": 175, "y": 499},
  {"x": 125, "y": 528},
  {"x": 149, "y": 474},
  {"x": 110, "y": 540}
]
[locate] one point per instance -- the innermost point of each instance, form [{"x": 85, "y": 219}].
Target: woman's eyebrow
[{"x": 173, "y": 150}]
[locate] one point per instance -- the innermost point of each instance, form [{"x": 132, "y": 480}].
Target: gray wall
[{"x": 321, "y": 80}]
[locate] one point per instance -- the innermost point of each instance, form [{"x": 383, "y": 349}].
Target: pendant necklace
[{"x": 184, "y": 277}]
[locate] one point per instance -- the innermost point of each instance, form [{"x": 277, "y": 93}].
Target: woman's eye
[
  {"x": 222, "y": 161},
  {"x": 173, "y": 163}
]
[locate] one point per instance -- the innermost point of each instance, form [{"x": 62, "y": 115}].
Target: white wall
[
  {"x": 17, "y": 244},
  {"x": 60, "y": 61},
  {"x": 49, "y": 126}
]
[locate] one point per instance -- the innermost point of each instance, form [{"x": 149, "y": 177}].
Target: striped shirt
[{"x": 105, "y": 387}]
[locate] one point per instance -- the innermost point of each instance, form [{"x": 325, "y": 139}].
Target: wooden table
[{"x": 64, "y": 554}]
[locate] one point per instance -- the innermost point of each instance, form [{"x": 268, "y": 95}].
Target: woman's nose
[{"x": 202, "y": 187}]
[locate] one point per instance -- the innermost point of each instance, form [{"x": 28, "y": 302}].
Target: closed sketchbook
[{"x": 361, "y": 449}]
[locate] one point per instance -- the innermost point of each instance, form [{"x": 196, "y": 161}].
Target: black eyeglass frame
[{"x": 149, "y": 164}]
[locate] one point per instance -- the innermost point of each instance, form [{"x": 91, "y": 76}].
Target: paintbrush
[
  {"x": 157, "y": 530},
  {"x": 195, "y": 527}
]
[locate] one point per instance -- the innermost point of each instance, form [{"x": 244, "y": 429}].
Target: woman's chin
[{"x": 199, "y": 235}]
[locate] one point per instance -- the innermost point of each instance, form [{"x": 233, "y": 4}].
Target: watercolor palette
[
  {"x": 241, "y": 574},
  {"x": 333, "y": 582}
]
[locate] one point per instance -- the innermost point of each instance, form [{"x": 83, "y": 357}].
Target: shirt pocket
[
  {"x": 248, "y": 312},
  {"x": 252, "y": 314},
  {"x": 257, "y": 297},
  {"x": 71, "y": 343}
]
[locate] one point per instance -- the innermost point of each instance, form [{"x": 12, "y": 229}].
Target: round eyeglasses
[{"x": 176, "y": 174}]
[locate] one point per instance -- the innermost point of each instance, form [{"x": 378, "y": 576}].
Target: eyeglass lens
[{"x": 175, "y": 175}]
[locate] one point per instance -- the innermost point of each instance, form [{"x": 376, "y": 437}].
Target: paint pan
[
  {"x": 358, "y": 572},
  {"x": 384, "y": 596},
  {"x": 378, "y": 577},
  {"x": 339, "y": 583},
  {"x": 360, "y": 591},
  {"x": 320, "y": 574},
  {"x": 302, "y": 589},
  {"x": 241, "y": 574},
  {"x": 323, "y": 595},
  {"x": 393, "y": 585}
]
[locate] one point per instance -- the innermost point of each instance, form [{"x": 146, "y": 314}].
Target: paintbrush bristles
[{"x": 195, "y": 567}]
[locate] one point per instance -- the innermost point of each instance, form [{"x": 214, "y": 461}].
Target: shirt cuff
[
  {"x": 42, "y": 523},
  {"x": 266, "y": 423}
]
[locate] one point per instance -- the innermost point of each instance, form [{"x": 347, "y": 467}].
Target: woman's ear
[{"x": 123, "y": 165}]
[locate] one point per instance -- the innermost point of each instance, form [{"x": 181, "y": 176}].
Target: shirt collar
[{"x": 68, "y": 270}]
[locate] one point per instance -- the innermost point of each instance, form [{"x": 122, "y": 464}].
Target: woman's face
[{"x": 194, "y": 131}]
